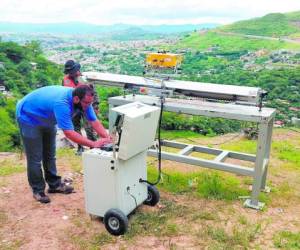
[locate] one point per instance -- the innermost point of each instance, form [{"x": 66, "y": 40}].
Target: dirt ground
[{"x": 26, "y": 224}]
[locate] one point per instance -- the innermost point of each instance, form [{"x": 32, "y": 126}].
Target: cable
[
  {"x": 230, "y": 139},
  {"x": 223, "y": 142},
  {"x": 159, "y": 146},
  {"x": 136, "y": 205},
  {"x": 294, "y": 130}
]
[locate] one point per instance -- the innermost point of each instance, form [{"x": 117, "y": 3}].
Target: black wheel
[
  {"x": 153, "y": 196},
  {"x": 115, "y": 221}
]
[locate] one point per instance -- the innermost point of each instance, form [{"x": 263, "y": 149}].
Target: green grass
[
  {"x": 242, "y": 145},
  {"x": 284, "y": 189},
  {"x": 157, "y": 223},
  {"x": 240, "y": 237},
  {"x": 287, "y": 240},
  {"x": 213, "y": 186},
  {"x": 295, "y": 35},
  {"x": 86, "y": 239},
  {"x": 162, "y": 222},
  {"x": 285, "y": 193},
  {"x": 68, "y": 155},
  {"x": 9, "y": 167},
  {"x": 243, "y": 220},
  {"x": 202, "y": 155},
  {"x": 12, "y": 245},
  {"x": 286, "y": 151},
  {"x": 204, "y": 215},
  {"x": 204, "y": 184},
  {"x": 183, "y": 134},
  {"x": 102, "y": 239}
]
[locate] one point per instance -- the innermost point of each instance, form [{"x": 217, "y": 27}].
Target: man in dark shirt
[{"x": 71, "y": 79}]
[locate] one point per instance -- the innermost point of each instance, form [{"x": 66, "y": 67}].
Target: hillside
[
  {"x": 215, "y": 40},
  {"x": 275, "y": 24},
  {"x": 273, "y": 32}
]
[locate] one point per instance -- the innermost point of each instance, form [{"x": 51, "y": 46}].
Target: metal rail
[{"x": 248, "y": 95}]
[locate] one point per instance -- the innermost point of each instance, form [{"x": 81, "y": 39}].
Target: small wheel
[
  {"x": 115, "y": 221},
  {"x": 153, "y": 196}
]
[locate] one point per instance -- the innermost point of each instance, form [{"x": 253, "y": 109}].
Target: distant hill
[
  {"x": 77, "y": 28},
  {"x": 214, "y": 40},
  {"x": 272, "y": 31},
  {"x": 274, "y": 24},
  {"x": 131, "y": 34}
]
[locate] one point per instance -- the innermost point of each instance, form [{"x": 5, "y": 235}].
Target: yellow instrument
[{"x": 163, "y": 60}]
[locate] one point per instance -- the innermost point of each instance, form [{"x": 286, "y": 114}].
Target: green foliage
[
  {"x": 287, "y": 240},
  {"x": 104, "y": 93},
  {"x": 8, "y": 129},
  {"x": 202, "y": 125},
  {"x": 25, "y": 67},
  {"x": 13, "y": 51}
]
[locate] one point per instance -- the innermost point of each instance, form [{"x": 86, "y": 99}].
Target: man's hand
[
  {"x": 101, "y": 142},
  {"x": 98, "y": 127}
]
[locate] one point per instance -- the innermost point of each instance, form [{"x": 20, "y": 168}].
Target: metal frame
[{"x": 264, "y": 118}]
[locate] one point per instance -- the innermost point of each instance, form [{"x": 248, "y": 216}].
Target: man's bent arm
[
  {"x": 77, "y": 138},
  {"x": 98, "y": 127}
]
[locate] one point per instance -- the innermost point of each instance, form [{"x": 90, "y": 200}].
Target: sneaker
[
  {"x": 63, "y": 188},
  {"x": 41, "y": 197}
]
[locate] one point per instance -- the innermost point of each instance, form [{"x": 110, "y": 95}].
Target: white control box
[
  {"x": 139, "y": 128},
  {"x": 112, "y": 180},
  {"x": 113, "y": 183}
]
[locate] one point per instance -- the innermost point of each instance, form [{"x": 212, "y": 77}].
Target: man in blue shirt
[{"x": 38, "y": 114}]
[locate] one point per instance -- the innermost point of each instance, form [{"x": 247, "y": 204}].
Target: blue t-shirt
[{"x": 49, "y": 106}]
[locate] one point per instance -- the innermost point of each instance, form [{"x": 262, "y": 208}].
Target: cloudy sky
[{"x": 139, "y": 11}]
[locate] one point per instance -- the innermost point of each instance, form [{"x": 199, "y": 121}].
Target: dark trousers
[
  {"x": 40, "y": 147},
  {"x": 77, "y": 120}
]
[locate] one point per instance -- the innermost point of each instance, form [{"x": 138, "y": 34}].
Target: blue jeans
[{"x": 40, "y": 147}]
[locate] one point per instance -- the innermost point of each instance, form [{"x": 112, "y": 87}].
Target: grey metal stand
[{"x": 264, "y": 118}]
